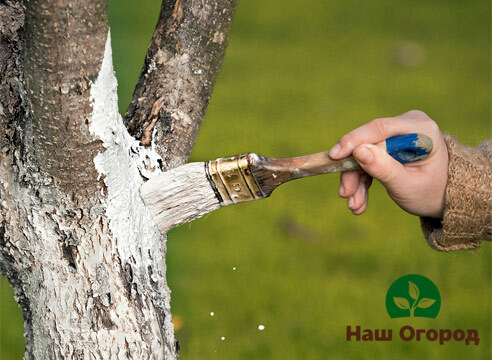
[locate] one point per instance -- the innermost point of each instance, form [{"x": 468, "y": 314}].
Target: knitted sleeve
[{"x": 467, "y": 218}]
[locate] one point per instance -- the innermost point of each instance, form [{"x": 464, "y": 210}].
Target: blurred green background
[{"x": 298, "y": 75}]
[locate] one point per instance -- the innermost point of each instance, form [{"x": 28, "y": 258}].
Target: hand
[{"x": 417, "y": 188}]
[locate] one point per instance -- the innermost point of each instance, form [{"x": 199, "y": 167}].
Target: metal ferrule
[{"x": 233, "y": 180}]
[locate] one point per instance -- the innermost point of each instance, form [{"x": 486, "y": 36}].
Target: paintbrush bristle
[{"x": 179, "y": 195}]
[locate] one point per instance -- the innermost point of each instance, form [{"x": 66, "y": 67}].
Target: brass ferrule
[{"x": 234, "y": 182}]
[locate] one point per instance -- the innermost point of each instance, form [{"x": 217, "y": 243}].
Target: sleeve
[{"x": 467, "y": 218}]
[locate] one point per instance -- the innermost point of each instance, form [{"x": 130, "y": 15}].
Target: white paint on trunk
[{"x": 120, "y": 165}]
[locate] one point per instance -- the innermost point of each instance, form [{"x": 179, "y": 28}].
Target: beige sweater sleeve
[{"x": 467, "y": 218}]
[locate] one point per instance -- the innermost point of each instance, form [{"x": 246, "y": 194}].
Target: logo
[{"x": 413, "y": 296}]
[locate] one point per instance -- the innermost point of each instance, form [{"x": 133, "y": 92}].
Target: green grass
[
  {"x": 296, "y": 77},
  {"x": 11, "y": 324}
]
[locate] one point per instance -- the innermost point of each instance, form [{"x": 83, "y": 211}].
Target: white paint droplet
[
  {"x": 212, "y": 313},
  {"x": 234, "y": 268},
  {"x": 222, "y": 338},
  {"x": 261, "y": 327}
]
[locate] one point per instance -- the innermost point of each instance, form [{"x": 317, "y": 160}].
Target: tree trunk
[{"x": 82, "y": 254}]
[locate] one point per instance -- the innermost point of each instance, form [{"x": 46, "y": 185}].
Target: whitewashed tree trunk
[{"x": 80, "y": 250}]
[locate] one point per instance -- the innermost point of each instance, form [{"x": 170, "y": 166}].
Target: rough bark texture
[
  {"x": 81, "y": 252},
  {"x": 62, "y": 56},
  {"x": 177, "y": 78}
]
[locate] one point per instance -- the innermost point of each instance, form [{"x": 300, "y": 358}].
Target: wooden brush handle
[{"x": 271, "y": 172}]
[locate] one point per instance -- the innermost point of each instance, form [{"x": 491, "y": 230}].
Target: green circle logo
[{"x": 413, "y": 296}]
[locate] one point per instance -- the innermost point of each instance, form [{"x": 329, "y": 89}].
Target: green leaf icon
[
  {"x": 413, "y": 290},
  {"x": 425, "y": 303},
  {"x": 402, "y": 303},
  {"x": 413, "y": 296}
]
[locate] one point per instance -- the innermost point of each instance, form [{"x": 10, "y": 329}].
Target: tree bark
[
  {"x": 82, "y": 254},
  {"x": 176, "y": 81}
]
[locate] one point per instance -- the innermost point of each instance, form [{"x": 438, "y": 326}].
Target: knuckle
[
  {"x": 380, "y": 125},
  {"x": 346, "y": 140},
  {"x": 417, "y": 114},
  {"x": 422, "y": 120}
]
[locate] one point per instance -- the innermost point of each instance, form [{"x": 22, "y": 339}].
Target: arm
[{"x": 467, "y": 215}]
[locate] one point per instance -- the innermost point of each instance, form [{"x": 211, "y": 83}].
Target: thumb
[{"x": 378, "y": 164}]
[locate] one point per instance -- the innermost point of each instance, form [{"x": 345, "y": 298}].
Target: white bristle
[{"x": 179, "y": 195}]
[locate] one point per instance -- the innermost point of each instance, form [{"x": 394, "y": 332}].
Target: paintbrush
[{"x": 192, "y": 190}]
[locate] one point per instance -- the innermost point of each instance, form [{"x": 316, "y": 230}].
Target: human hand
[{"x": 417, "y": 188}]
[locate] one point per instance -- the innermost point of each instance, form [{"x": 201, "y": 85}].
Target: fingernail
[
  {"x": 364, "y": 156},
  {"x": 351, "y": 202},
  {"x": 335, "y": 150},
  {"x": 341, "y": 190}
]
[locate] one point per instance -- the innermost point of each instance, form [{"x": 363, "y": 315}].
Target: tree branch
[
  {"x": 180, "y": 69},
  {"x": 63, "y": 53}
]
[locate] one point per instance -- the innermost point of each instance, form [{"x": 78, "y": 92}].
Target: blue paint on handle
[{"x": 406, "y": 148}]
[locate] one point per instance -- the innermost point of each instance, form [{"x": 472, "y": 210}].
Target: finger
[
  {"x": 380, "y": 129},
  {"x": 349, "y": 182},
  {"x": 371, "y": 133},
  {"x": 360, "y": 210},
  {"x": 360, "y": 197},
  {"x": 378, "y": 164}
]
